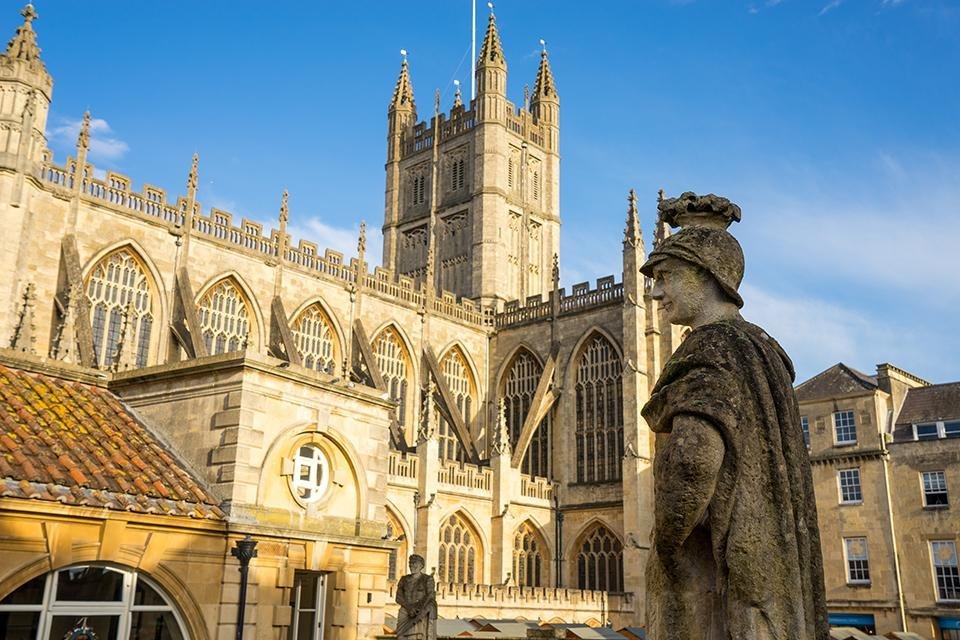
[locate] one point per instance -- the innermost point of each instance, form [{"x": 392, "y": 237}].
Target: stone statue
[
  {"x": 736, "y": 550},
  {"x": 417, "y": 597}
]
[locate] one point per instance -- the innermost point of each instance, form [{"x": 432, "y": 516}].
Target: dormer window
[{"x": 936, "y": 430}]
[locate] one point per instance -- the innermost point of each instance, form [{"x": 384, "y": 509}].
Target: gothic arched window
[
  {"x": 599, "y": 430},
  {"x": 398, "y": 557},
  {"x": 519, "y": 388},
  {"x": 119, "y": 292},
  {"x": 393, "y": 361},
  {"x": 460, "y": 552},
  {"x": 457, "y": 375},
  {"x": 224, "y": 318},
  {"x": 529, "y": 557},
  {"x": 600, "y": 561},
  {"x": 313, "y": 335}
]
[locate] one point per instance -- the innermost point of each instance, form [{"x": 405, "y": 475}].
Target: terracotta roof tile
[{"x": 78, "y": 444}]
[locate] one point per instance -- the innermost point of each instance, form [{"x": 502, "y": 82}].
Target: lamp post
[{"x": 243, "y": 550}]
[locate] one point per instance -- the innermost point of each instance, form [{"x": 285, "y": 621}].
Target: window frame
[
  {"x": 50, "y": 607},
  {"x": 850, "y": 485},
  {"x": 805, "y": 430},
  {"x": 926, "y": 495},
  {"x": 934, "y": 566},
  {"x": 319, "y": 599},
  {"x": 836, "y": 428},
  {"x": 865, "y": 559},
  {"x": 941, "y": 427}
]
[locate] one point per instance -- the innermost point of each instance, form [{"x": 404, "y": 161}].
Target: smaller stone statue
[{"x": 417, "y": 597}]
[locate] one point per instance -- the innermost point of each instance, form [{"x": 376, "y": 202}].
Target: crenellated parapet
[
  {"x": 152, "y": 205},
  {"x": 581, "y": 298}
]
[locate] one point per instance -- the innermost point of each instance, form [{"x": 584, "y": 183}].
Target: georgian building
[
  {"x": 455, "y": 402},
  {"x": 886, "y": 461}
]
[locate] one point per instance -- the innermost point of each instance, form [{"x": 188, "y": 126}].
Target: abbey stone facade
[{"x": 455, "y": 402}]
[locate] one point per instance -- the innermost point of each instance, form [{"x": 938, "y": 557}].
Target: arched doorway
[{"x": 106, "y": 603}]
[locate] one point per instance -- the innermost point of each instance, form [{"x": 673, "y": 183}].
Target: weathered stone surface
[{"x": 736, "y": 551}]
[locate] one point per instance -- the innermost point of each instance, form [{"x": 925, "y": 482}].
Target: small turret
[
  {"x": 24, "y": 76},
  {"x": 402, "y": 101},
  {"x": 545, "y": 102},
  {"x": 491, "y": 75},
  {"x": 544, "y": 88}
]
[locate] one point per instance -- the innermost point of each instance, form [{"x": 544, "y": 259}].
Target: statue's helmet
[{"x": 713, "y": 250}]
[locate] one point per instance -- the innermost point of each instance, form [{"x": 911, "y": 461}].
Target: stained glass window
[
  {"x": 529, "y": 557},
  {"x": 314, "y": 337},
  {"x": 519, "y": 388},
  {"x": 599, "y": 413},
  {"x": 600, "y": 561},
  {"x": 457, "y": 375},
  {"x": 393, "y": 361},
  {"x": 118, "y": 284},
  {"x": 224, "y": 318},
  {"x": 460, "y": 552}
]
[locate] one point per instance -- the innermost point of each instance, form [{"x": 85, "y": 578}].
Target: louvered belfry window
[
  {"x": 518, "y": 391},
  {"x": 117, "y": 284},
  {"x": 224, "y": 318},
  {"x": 599, "y": 400},
  {"x": 314, "y": 338}
]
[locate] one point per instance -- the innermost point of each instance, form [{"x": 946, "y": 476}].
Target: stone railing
[
  {"x": 114, "y": 191},
  {"x": 536, "y": 487},
  {"x": 402, "y": 469},
  {"x": 466, "y": 476},
  {"x": 581, "y": 298},
  {"x": 492, "y": 601}
]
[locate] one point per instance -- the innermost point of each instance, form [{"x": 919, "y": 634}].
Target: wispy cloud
[
  {"x": 830, "y": 6},
  {"x": 338, "y": 238},
  {"x": 817, "y": 333},
  {"x": 104, "y": 145}
]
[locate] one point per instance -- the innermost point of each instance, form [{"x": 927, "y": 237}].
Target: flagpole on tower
[{"x": 473, "y": 54}]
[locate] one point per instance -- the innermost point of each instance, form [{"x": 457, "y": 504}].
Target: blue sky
[{"x": 835, "y": 124}]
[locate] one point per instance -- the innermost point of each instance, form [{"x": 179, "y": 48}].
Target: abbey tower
[{"x": 484, "y": 201}]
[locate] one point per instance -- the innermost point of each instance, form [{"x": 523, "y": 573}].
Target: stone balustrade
[
  {"x": 402, "y": 469},
  {"x": 465, "y": 476},
  {"x": 536, "y": 487}
]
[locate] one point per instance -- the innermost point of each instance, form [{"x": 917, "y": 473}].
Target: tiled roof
[
  {"x": 929, "y": 404},
  {"x": 76, "y": 443},
  {"x": 835, "y": 381}
]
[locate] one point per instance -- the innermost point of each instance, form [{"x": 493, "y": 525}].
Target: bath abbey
[
  {"x": 194, "y": 379},
  {"x": 210, "y": 429}
]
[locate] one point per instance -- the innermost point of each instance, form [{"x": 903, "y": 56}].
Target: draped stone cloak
[
  {"x": 751, "y": 569},
  {"x": 416, "y": 594}
]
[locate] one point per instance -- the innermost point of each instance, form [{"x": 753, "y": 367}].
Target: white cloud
[
  {"x": 817, "y": 333},
  {"x": 342, "y": 239},
  {"x": 103, "y": 144}
]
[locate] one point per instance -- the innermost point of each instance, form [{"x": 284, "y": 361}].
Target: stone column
[{"x": 427, "y": 538}]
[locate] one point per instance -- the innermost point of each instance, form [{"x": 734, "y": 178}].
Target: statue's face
[
  {"x": 416, "y": 566},
  {"x": 681, "y": 289}
]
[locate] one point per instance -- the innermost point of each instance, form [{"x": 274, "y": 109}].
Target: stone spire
[
  {"x": 403, "y": 91},
  {"x": 23, "y": 45},
  {"x": 24, "y": 334},
  {"x": 632, "y": 233},
  {"x": 65, "y": 343},
  {"x": 544, "y": 87},
  {"x": 491, "y": 52},
  {"x": 662, "y": 232},
  {"x": 457, "y": 98},
  {"x": 83, "y": 139}
]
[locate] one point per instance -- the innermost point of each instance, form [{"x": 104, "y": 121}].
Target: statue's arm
[{"x": 687, "y": 478}]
